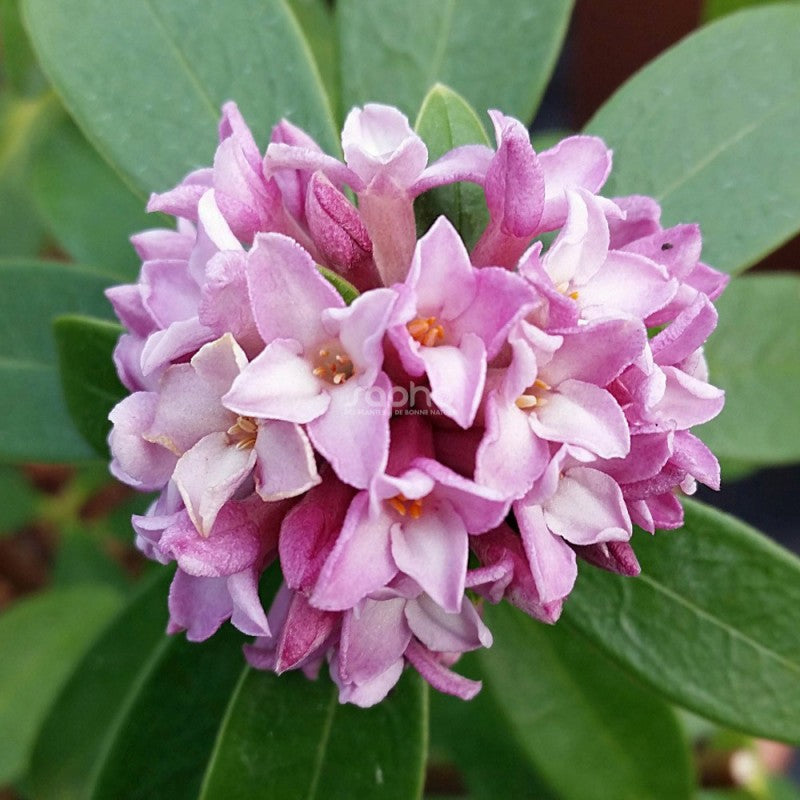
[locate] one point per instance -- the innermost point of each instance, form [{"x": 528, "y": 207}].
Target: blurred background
[{"x": 67, "y": 525}]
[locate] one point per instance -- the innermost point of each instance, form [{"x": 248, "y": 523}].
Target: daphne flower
[
  {"x": 322, "y": 360},
  {"x": 452, "y": 317}
]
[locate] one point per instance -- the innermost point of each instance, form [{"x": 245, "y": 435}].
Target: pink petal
[
  {"x": 588, "y": 507},
  {"x": 309, "y": 532},
  {"x": 304, "y": 631},
  {"x": 361, "y": 561},
  {"x": 278, "y": 384},
  {"x": 374, "y": 636},
  {"x": 136, "y": 461},
  {"x": 198, "y": 605},
  {"x": 552, "y": 562},
  {"x": 510, "y": 457},
  {"x": 438, "y": 676},
  {"x": 457, "y": 375},
  {"x": 232, "y": 547},
  {"x": 575, "y": 162},
  {"x": 585, "y": 415},
  {"x": 352, "y": 433},
  {"x": 207, "y": 476},
  {"x": 433, "y": 551},
  {"x": 447, "y": 633},
  {"x": 287, "y": 292},
  {"x": 248, "y": 613},
  {"x": 285, "y": 465}
]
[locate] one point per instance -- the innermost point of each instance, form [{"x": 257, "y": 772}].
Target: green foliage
[
  {"x": 753, "y": 355},
  {"x": 706, "y": 128},
  {"x": 42, "y": 639},
  {"x": 145, "y": 81},
  {"x": 34, "y": 424},
  {"x": 86, "y": 206},
  {"x": 318, "y": 748},
  {"x": 710, "y": 623},
  {"x": 317, "y": 24},
  {"x": 88, "y": 376},
  {"x": 180, "y": 701},
  {"x": 396, "y": 52},
  {"x": 479, "y": 740},
  {"x": 445, "y": 121},
  {"x": 17, "y": 499},
  {"x": 90, "y": 712},
  {"x": 587, "y": 727},
  {"x": 343, "y": 286}
]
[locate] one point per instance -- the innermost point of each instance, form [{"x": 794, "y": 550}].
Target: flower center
[
  {"x": 405, "y": 507},
  {"x": 533, "y": 395},
  {"x": 243, "y": 433},
  {"x": 333, "y": 364},
  {"x": 563, "y": 288},
  {"x": 426, "y": 331}
]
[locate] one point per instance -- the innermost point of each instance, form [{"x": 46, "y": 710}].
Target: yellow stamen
[
  {"x": 243, "y": 433},
  {"x": 333, "y": 364},
  {"x": 526, "y": 401},
  {"x": 426, "y": 331},
  {"x": 542, "y": 385},
  {"x": 398, "y": 504}
]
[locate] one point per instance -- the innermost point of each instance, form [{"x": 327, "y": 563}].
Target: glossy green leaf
[
  {"x": 710, "y": 130},
  {"x": 34, "y": 424},
  {"x": 478, "y": 740},
  {"x": 145, "y": 80},
  {"x": 754, "y": 356},
  {"x": 180, "y": 705},
  {"x": 317, "y": 24},
  {"x": 42, "y": 640},
  {"x": 446, "y": 121},
  {"x": 711, "y": 622},
  {"x": 88, "y": 375},
  {"x": 17, "y": 499},
  {"x": 495, "y": 57},
  {"x": 589, "y": 729},
  {"x": 87, "y": 207},
  {"x": 91, "y": 710},
  {"x": 291, "y": 735}
]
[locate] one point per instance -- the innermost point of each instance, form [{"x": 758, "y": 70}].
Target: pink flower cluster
[{"x": 520, "y": 404}]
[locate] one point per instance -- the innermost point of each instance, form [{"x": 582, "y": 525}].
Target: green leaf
[
  {"x": 22, "y": 124},
  {"x": 82, "y": 557},
  {"x": 343, "y": 286},
  {"x": 711, "y": 622},
  {"x": 753, "y": 355},
  {"x": 317, "y": 24},
  {"x": 19, "y": 66},
  {"x": 180, "y": 705},
  {"x": 713, "y": 9},
  {"x": 17, "y": 499},
  {"x": 145, "y": 80},
  {"x": 478, "y": 738},
  {"x": 589, "y": 729},
  {"x": 88, "y": 375},
  {"x": 710, "y": 130},
  {"x": 395, "y": 52},
  {"x": 292, "y": 735},
  {"x": 34, "y": 424},
  {"x": 446, "y": 121},
  {"x": 89, "y": 713},
  {"x": 42, "y": 639},
  {"x": 87, "y": 207}
]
